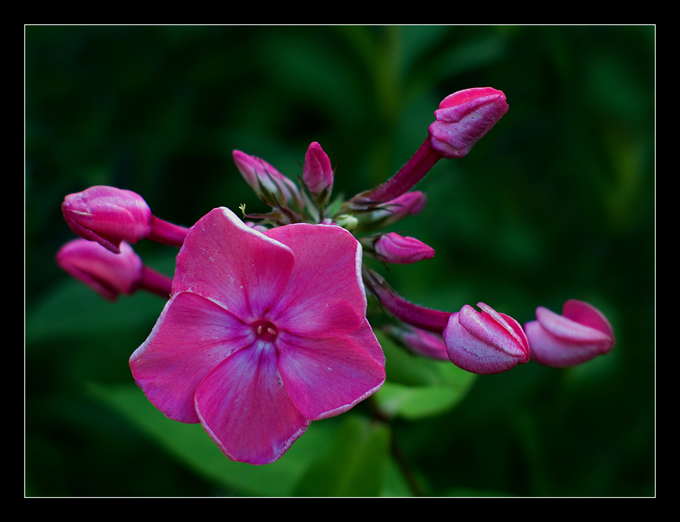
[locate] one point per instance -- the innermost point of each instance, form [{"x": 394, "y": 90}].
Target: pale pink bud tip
[
  {"x": 464, "y": 117},
  {"x": 581, "y": 333},
  {"x": 318, "y": 172},
  {"x": 108, "y": 215},
  {"x": 107, "y": 273},
  {"x": 486, "y": 342},
  {"x": 393, "y": 248}
]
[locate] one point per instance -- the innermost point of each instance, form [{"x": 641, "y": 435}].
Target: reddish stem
[
  {"x": 404, "y": 180},
  {"x": 155, "y": 282},
  {"x": 167, "y": 233}
]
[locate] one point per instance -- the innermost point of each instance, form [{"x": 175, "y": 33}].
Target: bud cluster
[{"x": 109, "y": 220}]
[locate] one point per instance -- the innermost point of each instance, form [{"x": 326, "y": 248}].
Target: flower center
[{"x": 265, "y": 330}]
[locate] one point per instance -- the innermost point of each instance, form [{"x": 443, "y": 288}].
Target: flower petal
[
  {"x": 559, "y": 353},
  {"x": 325, "y": 293},
  {"x": 239, "y": 267},
  {"x": 191, "y": 337},
  {"x": 245, "y": 409},
  {"x": 568, "y": 329},
  {"x": 328, "y": 376},
  {"x": 586, "y": 314},
  {"x": 492, "y": 328}
]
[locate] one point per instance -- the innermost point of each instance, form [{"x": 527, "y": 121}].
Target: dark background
[{"x": 556, "y": 202}]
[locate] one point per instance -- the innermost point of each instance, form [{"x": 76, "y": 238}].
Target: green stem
[{"x": 397, "y": 452}]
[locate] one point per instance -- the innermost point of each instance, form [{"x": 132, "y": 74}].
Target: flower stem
[
  {"x": 406, "y": 311},
  {"x": 155, "y": 282},
  {"x": 406, "y": 470},
  {"x": 403, "y": 181},
  {"x": 397, "y": 453},
  {"x": 167, "y": 233}
]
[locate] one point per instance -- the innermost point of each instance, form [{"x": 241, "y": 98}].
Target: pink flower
[
  {"x": 581, "y": 333},
  {"x": 393, "y": 248},
  {"x": 486, "y": 342},
  {"x": 318, "y": 173},
  {"x": 464, "y": 117},
  {"x": 110, "y": 274},
  {"x": 264, "y": 333},
  {"x": 110, "y": 215}
]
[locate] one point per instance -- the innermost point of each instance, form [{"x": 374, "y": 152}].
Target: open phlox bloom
[{"x": 263, "y": 333}]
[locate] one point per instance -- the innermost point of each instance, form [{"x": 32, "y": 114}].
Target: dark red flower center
[{"x": 265, "y": 330}]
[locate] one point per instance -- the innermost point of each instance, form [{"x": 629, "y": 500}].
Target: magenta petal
[
  {"x": 493, "y": 329},
  {"x": 586, "y": 314},
  {"x": 559, "y": 353},
  {"x": 569, "y": 330},
  {"x": 580, "y": 334},
  {"x": 327, "y": 376},
  {"x": 234, "y": 264},
  {"x": 245, "y": 409},
  {"x": 325, "y": 293},
  {"x": 191, "y": 337}
]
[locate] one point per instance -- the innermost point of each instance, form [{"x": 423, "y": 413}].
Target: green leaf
[
  {"x": 188, "y": 443},
  {"x": 418, "y": 387},
  {"x": 415, "y": 402},
  {"x": 356, "y": 465}
]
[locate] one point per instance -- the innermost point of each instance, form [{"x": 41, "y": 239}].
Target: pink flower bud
[
  {"x": 408, "y": 204},
  {"x": 267, "y": 182},
  {"x": 108, "y": 215},
  {"x": 318, "y": 173},
  {"x": 464, "y": 117},
  {"x": 419, "y": 342},
  {"x": 107, "y": 273},
  {"x": 393, "y": 248},
  {"x": 581, "y": 333},
  {"x": 110, "y": 274},
  {"x": 486, "y": 342}
]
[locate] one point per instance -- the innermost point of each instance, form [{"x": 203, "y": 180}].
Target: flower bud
[
  {"x": 105, "y": 272},
  {"x": 408, "y": 204},
  {"x": 486, "y": 342},
  {"x": 346, "y": 221},
  {"x": 274, "y": 188},
  {"x": 581, "y": 333},
  {"x": 464, "y": 117},
  {"x": 318, "y": 173},
  {"x": 110, "y": 274},
  {"x": 108, "y": 215},
  {"x": 418, "y": 341},
  {"x": 393, "y": 248}
]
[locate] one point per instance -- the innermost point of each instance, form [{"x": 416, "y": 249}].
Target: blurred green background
[{"x": 556, "y": 202}]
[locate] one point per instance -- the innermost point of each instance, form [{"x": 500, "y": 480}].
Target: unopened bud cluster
[{"x": 109, "y": 220}]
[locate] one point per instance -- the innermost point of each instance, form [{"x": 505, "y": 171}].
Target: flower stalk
[{"x": 404, "y": 180}]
